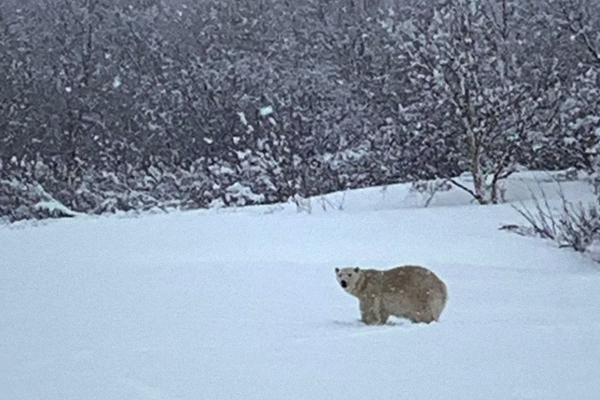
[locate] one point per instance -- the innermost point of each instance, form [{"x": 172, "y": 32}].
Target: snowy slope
[{"x": 243, "y": 304}]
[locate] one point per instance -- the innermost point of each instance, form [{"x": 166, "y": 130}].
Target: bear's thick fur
[{"x": 411, "y": 292}]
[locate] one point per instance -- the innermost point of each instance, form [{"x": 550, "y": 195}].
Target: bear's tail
[{"x": 439, "y": 302}]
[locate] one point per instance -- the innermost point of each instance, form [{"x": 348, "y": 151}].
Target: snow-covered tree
[
  {"x": 477, "y": 92},
  {"x": 112, "y": 105}
]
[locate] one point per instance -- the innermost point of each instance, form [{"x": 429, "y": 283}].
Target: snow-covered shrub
[
  {"x": 21, "y": 200},
  {"x": 476, "y": 92},
  {"x": 429, "y": 188},
  {"x": 242, "y": 102},
  {"x": 573, "y": 225}
]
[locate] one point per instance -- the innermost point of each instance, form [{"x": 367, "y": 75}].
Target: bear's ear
[
  {"x": 337, "y": 270},
  {"x": 356, "y": 269}
]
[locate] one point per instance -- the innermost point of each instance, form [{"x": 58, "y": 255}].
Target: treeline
[{"x": 110, "y": 105}]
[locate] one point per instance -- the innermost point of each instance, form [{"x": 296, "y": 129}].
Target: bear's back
[
  {"x": 414, "y": 292},
  {"x": 412, "y": 278}
]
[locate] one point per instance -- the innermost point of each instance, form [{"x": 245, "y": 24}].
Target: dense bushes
[{"x": 110, "y": 105}]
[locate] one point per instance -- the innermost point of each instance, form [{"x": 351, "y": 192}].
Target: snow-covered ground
[{"x": 243, "y": 304}]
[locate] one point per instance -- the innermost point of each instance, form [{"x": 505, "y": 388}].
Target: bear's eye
[{"x": 349, "y": 275}]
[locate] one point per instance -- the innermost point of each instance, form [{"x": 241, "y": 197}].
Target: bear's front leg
[{"x": 372, "y": 312}]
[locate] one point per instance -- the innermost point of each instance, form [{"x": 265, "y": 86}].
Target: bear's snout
[{"x": 344, "y": 284}]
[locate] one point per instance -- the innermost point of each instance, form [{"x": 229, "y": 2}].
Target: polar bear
[{"x": 411, "y": 292}]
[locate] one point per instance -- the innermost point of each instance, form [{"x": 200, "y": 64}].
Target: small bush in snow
[
  {"x": 576, "y": 226},
  {"x": 428, "y": 189},
  {"x": 21, "y": 200}
]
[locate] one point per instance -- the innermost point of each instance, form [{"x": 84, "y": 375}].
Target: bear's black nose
[{"x": 343, "y": 283}]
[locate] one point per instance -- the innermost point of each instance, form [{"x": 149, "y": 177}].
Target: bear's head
[{"x": 347, "y": 277}]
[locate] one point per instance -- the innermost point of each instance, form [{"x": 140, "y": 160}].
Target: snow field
[{"x": 244, "y": 305}]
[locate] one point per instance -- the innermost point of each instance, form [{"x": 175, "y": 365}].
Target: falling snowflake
[{"x": 266, "y": 111}]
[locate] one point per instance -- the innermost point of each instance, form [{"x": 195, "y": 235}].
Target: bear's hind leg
[{"x": 420, "y": 317}]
